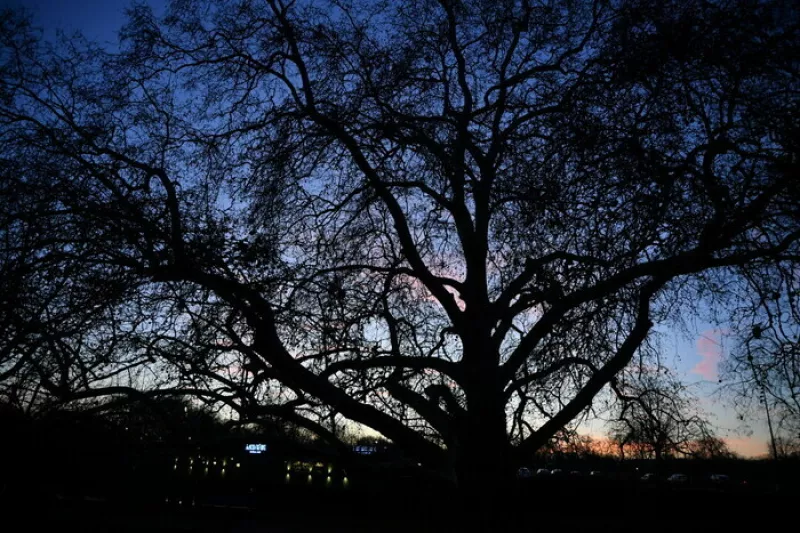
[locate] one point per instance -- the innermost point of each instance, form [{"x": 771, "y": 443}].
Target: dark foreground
[{"x": 525, "y": 507}]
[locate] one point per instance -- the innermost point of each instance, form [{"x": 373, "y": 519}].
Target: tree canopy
[{"x": 455, "y": 222}]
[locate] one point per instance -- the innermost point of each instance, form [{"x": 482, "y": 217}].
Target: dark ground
[{"x": 568, "y": 506}]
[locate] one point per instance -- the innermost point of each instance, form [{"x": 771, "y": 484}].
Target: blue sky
[
  {"x": 98, "y": 19},
  {"x": 693, "y": 354}
]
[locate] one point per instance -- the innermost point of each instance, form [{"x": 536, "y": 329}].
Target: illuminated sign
[
  {"x": 365, "y": 450},
  {"x": 256, "y": 448}
]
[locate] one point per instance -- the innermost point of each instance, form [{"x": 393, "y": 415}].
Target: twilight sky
[
  {"x": 694, "y": 356},
  {"x": 97, "y": 19}
]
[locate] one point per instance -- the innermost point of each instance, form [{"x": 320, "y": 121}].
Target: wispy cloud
[{"x": 709, "y": 349}]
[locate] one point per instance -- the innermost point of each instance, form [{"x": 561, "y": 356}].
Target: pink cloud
[{"x": 709, "y": 349}]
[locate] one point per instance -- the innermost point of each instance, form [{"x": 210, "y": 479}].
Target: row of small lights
[
  {"x": 207, "y": 462},
  {"x": 213, "y": 461},
  {"x": 309, "y": 480},
  {"x": 328, "y": 480}
]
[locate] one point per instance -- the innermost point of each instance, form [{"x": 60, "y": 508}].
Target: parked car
[
  {"x": 678, "y": 479},
  {"x": 649, "y": 477},
  {"x": 596, "y": 473},
  {"x": 543, "y": 472},
  {"x": 556, "y": 472},
  {"x": 720, "y": 479}
]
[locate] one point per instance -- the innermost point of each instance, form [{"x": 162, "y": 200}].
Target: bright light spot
[
  {"x": 256, "y": 448},
  {"x": 345, "y": 482},
  {"x": 238, "y": 465},
  {"x": 288, "y": 478}
]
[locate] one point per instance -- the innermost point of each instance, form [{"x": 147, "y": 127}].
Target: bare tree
[
  {"x": 786, "y": 447},
  {"x": 762, "y": 376},
  {"x": 710, "y": 447},
  {"x": 657, "y": 417},
  {"x": 453, "y": 222}
]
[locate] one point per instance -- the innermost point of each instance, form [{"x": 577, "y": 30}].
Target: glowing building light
[{"x": 255, "y": 448}]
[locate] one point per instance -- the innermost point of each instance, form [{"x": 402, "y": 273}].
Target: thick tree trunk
[
  {"x": 483, "y": 462},
  {"x": 484, "y": 470}
]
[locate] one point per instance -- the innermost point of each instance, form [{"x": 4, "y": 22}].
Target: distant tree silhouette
[
  {"x": 570, "y": 444},
  {"x": 162, "y": 420},
  {"x": 453, "y": 222},
  {"x": 709, "y": 447},
  {"x": 787, "y": 447},
  {"x": 658, "y": 418}
]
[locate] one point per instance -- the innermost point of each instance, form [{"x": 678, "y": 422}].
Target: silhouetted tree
[
  {"x": 786, "y": 447},
  {"x": 570, "y": 444},
  {"x": 762, "y": 374},
  {"x": 657, "y": 417},
  {"x": 453, "y": 222},
  {"x": 162, "y": 420},
  {"x": 709, "y": 447}
]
